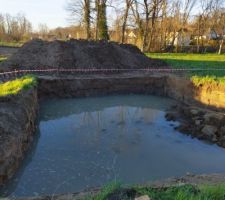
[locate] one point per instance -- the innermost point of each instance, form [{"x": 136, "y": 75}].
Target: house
[
  {"x": 131, "y": 36},
  {"x": 211, "y": 34},
  {"x": 75, "y": 32},
  {"x": 181, "y": 37},
  {"x": 201, "y": 37}
]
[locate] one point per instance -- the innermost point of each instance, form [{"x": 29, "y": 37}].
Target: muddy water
[{"x": 88, "y": 142}]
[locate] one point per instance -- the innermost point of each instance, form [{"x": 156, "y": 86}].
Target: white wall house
[{"x": 179, "y": 38}]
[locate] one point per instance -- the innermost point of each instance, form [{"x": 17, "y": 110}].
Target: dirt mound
[{"x": 79, "y": 54}]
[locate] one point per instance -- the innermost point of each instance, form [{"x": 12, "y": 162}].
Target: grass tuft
[
  {"x": 185, "y": 192},
  {"x": 17, "y": 85},
  {"x": 107, "y": 190},
  {"x": 11, "y": 44},
  {"x": 2, "y": 58},
  {"x": 182, "y": 192},
  {"x": 171, "y": 193},
  {"x": 216, "y": 192},
  {"x": 212, "y": 80}
]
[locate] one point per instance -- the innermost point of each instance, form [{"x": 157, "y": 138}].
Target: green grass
[
  {"x": 184, "y": 192},
  {"x": 212, "y": 80},
  {"x": 2, "y": 58},
  {"x": 11, "y": 44},
  {"x": 17, "y": 85},
  {"x": 207, "y": 63},
  {"x": 178, "y": 60},
  {"x": 107, "y": 190}
]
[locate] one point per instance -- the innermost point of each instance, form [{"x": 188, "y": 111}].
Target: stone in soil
[
  {"x": 199, "y": 122},
  {"x": 209, "y": 133},
  {"x": 145, "y": 197}
]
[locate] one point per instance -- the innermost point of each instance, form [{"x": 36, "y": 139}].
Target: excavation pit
[
  {"x": 84, "y": 129},
  {"x": 84, "y": 143}
]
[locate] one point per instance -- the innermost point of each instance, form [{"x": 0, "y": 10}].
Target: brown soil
[
  {"x": 7, "y": 51},
  {"x": 17, "y": 125},
  {"x": 79, "y": 54}
]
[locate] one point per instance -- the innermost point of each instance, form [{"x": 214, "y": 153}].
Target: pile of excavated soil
[{"x": 38, "y": 54}]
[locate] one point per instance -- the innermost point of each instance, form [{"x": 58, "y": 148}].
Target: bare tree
[
  {"x": 80, "y": 11},
  {"x": 43, "y": 30},
  {"x": 218, "y": 22},
  {"x": 187, "y": 8},
  {"x": 128, "y": 4},
  {"x": 145, "y": 13},
  {"x": 202, "y": 20},
  {"x": 2, "y": 27},
  {"x": 156, "y": 7},
  {"x": 222, "y": 28},
  {"x": 163, "y": 25},
  {"x": 138, "y": 21},
  {"x": 14, "y": 28}
]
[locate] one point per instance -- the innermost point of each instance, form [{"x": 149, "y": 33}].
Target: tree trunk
[
  {"x": 102, "y": 21},
  {"x": 221, "y": 46},
  {"x": 144, "y": 43},
  {"x": 124, "y": 23},
  {"x": 97, "y": 18},
  {"x": 198, "y": 45},
  {"x": 87, "y": 22},
  {"x": 128, "y": 5},
  {"x": 153, "y": 24}
]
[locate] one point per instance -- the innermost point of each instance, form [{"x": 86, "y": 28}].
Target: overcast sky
[{"x": 51, "y": 12}]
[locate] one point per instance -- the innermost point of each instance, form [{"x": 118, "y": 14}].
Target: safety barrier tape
[{"x": 108, "y": 70}]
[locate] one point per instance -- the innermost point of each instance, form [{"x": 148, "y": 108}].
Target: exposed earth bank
[
  {"x": 178, "y": 88},
  {"x": 207, "y": 94},
  {"x": 17, "y": 125},
  {"x": 200, "y": 109}
]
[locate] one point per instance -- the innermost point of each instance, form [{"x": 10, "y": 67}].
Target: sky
[{"x": 50, "y": 12}]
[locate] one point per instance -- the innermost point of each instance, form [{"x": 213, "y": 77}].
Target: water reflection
[{"x": 91, "y": 141}]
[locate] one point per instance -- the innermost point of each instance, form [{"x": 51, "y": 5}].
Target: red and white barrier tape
[{"x": 106, "y": 70}]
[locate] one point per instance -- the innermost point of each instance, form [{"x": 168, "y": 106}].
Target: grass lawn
[
  {"x": 178, "y": 60},
  {"x": 15, "y": 86},
  {"x": 207, "y": 63},
  {"x": 184, "y": 192}
]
